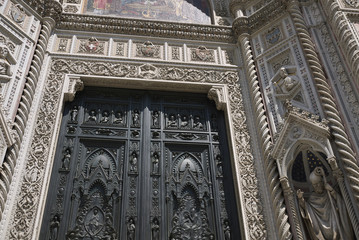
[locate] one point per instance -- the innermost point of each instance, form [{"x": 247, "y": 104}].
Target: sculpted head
[
  {"x": 4, "y": 51},
  {"x": 283, "y": 72},
  {"x": 317, "y": 180}
]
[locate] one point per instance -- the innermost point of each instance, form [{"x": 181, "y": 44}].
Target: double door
[{"x": 141, "y": 165}]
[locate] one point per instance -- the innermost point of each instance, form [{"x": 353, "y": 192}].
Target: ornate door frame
[{"x": 66, "y": 76}]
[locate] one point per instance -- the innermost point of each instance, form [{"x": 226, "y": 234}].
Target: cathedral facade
[{"x": 179, "y": 119}]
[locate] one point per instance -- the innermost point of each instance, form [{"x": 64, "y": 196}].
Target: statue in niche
[
  {"x": 155, "y": 162},
  {"x": 74, "y": 113},
  {"x": 136, "y": 117},
  {"x": 155, "y": 119},
  {"x": 5, "y": 66},
  {"x": 131, "y": 229},
  {"x": 66, "y": 159},
  {"x": 54, "y": 227},
  {"x": 197, "y": 123},
  {"x": 227, "y": 230},
  {"x": 155, "y": 229},
  {"x": 133, "y": 162},
  {"x": 324, "y": 212},
  {"x": 92, "y": 116},
  {"x": 172, "y": 122},
  {"x": 184, "y": 121},
  {"x": 105, "y": 117},
  {"x": 118, "y": 117}
]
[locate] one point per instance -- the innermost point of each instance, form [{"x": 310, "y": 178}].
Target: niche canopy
[{"x": 189, "y": 11}]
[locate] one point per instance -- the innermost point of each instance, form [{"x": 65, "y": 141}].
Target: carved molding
[
  {"x": 252, "y": 23},
  {"x": 219, "y": 95},
  {"x": 160, "y": 29},
  {"x": 28, "y": 200}
]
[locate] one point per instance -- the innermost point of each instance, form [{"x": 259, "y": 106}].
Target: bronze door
[{"x": 141, "y": 165}]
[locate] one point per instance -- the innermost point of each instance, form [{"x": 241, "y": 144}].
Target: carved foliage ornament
[{"x": 27, "y": 204}]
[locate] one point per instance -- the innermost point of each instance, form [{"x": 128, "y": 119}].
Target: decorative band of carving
[
  {"x": 272, "y": 174},
  {"x": 330, "y": 108},
  {"x": 24, "y": 110},
  {"x": 145, "y": 28},
  {"x": 26, "y": 208}
]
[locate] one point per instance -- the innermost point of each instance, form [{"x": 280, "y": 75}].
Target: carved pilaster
[
  {"x": 219, "y": 95},
  {"x": 338, "y": 175},
  {"x": 71, "y": 86},
  {"x": 326, "y": 96},
  {"x": 272, "y": 175},
  {"x": 26, "y": 100},
  {"x": 341, "y": 28},
  {"x": 290, "y": 196}
]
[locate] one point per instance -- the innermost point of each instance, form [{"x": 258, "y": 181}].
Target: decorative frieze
[{"x": 145, "y": 28}]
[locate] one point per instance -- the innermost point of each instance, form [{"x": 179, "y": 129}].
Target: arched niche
[{"x": 188, "y": 11}]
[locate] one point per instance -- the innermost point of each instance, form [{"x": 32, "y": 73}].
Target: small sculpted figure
[
  {"x": 288, "y": 82},
  {"x": 66, "y": 159},
  {"x": 155, "y": 229},
  {"x": 74, "y": 113},
  {"x": 54, "y": 227},
  {"x": 5, "y": 67},
  {"x": 131, "y": 229}
]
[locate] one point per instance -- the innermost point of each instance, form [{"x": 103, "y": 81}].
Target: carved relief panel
[{"x": 130, "y": 163}]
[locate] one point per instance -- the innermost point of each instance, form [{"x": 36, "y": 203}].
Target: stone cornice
[
  {"x": 129, "y": 26},
  {"x": 258, "y": 19}
]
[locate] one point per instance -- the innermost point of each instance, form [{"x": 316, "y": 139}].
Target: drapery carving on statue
[
  {"x": 324, "y": 211},
  {"x": 285, "y": 83},
  {"x": 218, "y": 95}
]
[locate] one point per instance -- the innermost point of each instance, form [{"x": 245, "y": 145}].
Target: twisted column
[
  {"x": 330, "y": 108},
  {"x": 271, "y": 170},
  {"x": 52, "y": 11},
  {"x": 340, "y": 25}
]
